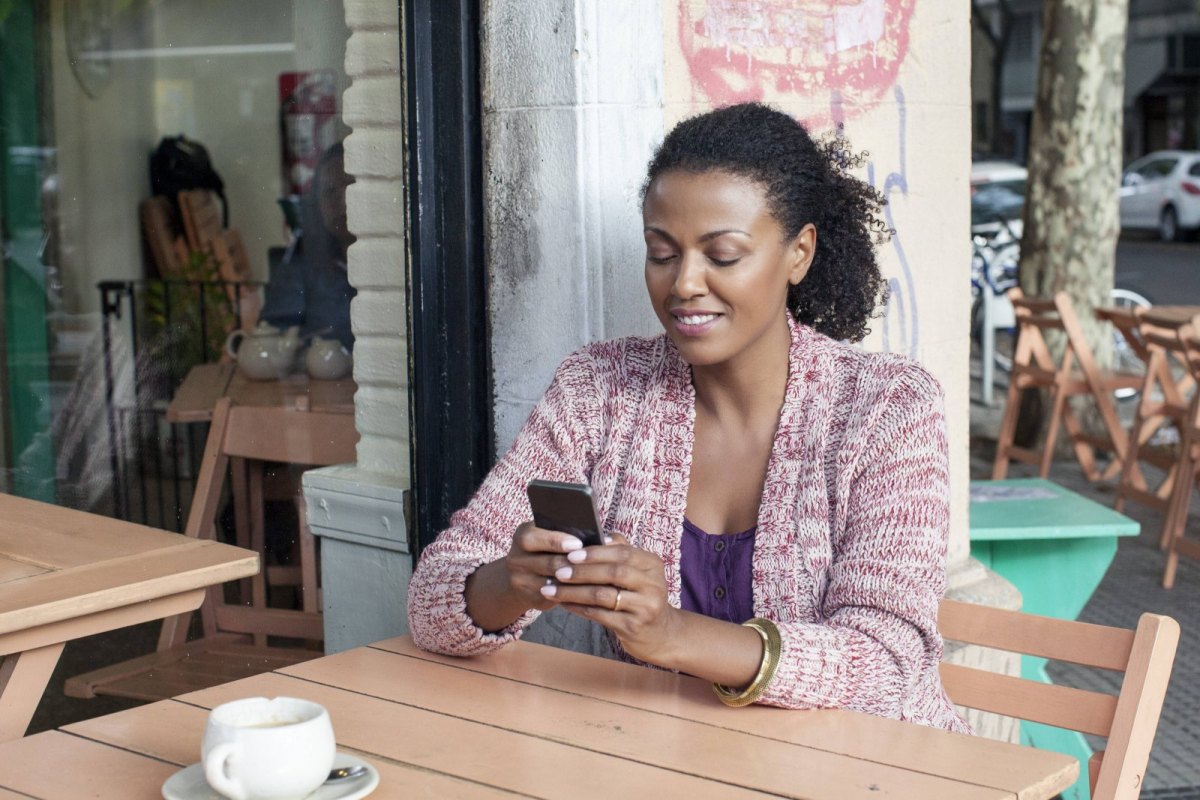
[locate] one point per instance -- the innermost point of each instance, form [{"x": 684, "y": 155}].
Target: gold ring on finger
[{"x": 617, "y": 604}]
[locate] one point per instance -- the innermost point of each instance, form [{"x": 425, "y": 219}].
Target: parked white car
[{"x": 1161, "y": 192}]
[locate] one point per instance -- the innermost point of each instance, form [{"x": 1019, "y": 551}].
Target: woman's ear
[{"x": 801, "y": 251}]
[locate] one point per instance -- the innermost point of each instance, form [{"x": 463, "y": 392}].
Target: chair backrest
[
  {"x": 265, "y": 433},
  {"x": 201, "y": 217},
  {"x": 1128, "y": 721}
]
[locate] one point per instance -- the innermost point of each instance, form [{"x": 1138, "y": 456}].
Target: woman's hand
[
  {"x": 625, "y": 590},
  {"x": 500, "y": 592}
]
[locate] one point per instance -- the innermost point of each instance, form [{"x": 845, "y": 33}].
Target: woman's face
[{"x": 718, "y": 266}]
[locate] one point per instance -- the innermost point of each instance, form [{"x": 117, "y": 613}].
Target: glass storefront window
[{"x": 114, "y": 288}]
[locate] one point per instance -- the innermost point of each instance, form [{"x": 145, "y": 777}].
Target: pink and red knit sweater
[{"x": 849, "y": 558}]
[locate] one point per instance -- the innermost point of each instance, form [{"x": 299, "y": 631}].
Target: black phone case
[{"x": 565, "y": 507}]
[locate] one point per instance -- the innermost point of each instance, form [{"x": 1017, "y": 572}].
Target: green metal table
[{"x": 1054, "y": 546}]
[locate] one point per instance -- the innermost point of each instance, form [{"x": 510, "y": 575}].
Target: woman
[{"x": 777, "y": 501}]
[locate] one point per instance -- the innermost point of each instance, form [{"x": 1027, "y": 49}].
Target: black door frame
[{"x": 449, "y": 369}]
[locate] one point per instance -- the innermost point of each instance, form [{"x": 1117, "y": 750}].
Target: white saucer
[{"x": 189, "y": 783}]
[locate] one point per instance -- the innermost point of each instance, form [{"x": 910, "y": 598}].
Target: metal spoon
[{"x": 346, "y": 773}]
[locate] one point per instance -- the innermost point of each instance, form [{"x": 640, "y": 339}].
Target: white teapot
[
  {"x": 327, "y": 360},
  {"x": 265, "y": 353}
]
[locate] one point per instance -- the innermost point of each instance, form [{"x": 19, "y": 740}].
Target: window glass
[
  {"x": 1158, "y": 168},
  {"x": 117, "y": 286},
  {"x": 997, "y": 200}
]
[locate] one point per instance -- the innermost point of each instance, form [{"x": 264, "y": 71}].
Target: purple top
[{"x": 717, "y": 574}]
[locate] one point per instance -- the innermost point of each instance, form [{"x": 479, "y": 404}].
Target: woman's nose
[{"x": 690, "y": 280}]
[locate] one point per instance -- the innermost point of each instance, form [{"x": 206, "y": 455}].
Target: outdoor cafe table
[
  {"x": 205, "y": 384},
  {"x": 536, "y": 721},
  {"x": 65, "y": 574},
  {"x": 1054, "y": 546}
]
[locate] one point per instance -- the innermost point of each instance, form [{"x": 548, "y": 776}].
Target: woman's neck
[{"x": 748, "y": 387}]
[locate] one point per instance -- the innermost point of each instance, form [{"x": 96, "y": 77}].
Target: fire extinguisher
[{"x": 308, "y": 124}]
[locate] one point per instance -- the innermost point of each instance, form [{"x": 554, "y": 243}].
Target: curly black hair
[{"x": 806, "y": 181}]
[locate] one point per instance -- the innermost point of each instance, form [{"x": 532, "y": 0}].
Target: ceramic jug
[
  {"x": 327, "y": 359},
  {"x": 264, "y": 353}
]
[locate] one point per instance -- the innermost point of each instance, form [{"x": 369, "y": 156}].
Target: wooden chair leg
[
  {"x": 308, "y": 562},
  {"x": 239, "y": 487},
  {"x": 1058, "y": 406},
  {"x": 23, "y": 679},
  {"x": 258, "y": 542},
  {"x": 1008, "y": 430}
]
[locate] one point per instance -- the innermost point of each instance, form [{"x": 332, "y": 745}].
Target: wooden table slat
[
  {"x": 68, "y": 594},
  {"x": 634, "y": 730},
  {"x": 202, "y": 387},
  {"x": 505, "y": 757},
  {"x": 986, "y": 762},
  {"x": 96, "y": 771},
  {"x": 53, "y": 537},
  {"x": 11, "y": 569},
  {"x": 172, "y": 731}
]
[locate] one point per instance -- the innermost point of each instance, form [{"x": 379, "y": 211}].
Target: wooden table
[
  {"x": 1170, "y": 316},
  {"x": 1054, "y": 546},
  {"x": 206, "y": 383},
  {"x": 65, "y": 574},
  {"x": 542, "y": 722}
]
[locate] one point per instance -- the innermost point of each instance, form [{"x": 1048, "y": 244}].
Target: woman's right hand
[
  {"x": 532, "y": 559},
  {"x": 498, "y": 593}
]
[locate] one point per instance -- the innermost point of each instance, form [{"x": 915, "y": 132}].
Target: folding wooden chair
[
  {"x": 1128, "y": 721},
  {"x": 1075, "y": 375},
  {"x": 1175, "y": 525},
  {"x": 234, "y": 642},
  {"x": 1163, "y": 402},
  {"x": 201, "y": 216}
]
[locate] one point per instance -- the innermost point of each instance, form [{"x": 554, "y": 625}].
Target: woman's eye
[
  {"x": 654, "y": 258},
  {"x": 724, "y": 262}
]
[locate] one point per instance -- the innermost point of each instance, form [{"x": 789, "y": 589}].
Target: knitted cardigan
[{"x": 849, "y": 557}]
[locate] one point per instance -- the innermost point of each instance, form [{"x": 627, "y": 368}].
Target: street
[{"x": 1167, "y": 274}]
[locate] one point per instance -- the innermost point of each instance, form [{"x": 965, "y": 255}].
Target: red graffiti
[{"x": 840, "y": 56}]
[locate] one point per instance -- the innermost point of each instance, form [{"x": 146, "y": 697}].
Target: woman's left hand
[{"x": 625, "y": 590}]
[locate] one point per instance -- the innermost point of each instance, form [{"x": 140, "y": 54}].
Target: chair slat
[
  {"x": 1046, "y": 637},
  {"x": 1061, "y": 706}
]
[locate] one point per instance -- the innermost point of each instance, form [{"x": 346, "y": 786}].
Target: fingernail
[
  {"x": 577, "y": 556},
  {"x": 608, "y": 539},
  {"x": 571, "y": 543},
  {"x": 563, "y": 573},
  {"x": 549, "y": 590}
]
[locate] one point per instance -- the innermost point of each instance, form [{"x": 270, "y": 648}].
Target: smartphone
[{"x": 565, "y": 507}]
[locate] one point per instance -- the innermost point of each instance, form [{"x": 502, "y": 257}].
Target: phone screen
[{"x": 565, "y": 507}]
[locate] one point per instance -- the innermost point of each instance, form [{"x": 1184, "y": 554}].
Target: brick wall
[{"x": 372, "y": 107}]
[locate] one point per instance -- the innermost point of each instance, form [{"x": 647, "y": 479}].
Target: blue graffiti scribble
[{"x": 901, "y": 307}]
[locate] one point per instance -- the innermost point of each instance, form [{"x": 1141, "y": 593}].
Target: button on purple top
[{"x": 717, "y": 574}]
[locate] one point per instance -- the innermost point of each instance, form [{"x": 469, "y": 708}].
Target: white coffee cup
[{"x": 267, "y": 749}]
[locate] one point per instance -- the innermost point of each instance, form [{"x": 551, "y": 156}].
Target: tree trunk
[
  {"x": 1071, "y": 216},
  {"x": 1071, "y": 213}
]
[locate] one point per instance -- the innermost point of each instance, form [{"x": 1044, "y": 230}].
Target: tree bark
[
  {"x": 1071, "y": 213},
  {"x": 1071, "y": 219}
]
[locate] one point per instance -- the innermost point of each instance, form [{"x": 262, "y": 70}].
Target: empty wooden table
[
  {"x": 65, "y": 574},
  {"x": 205, "y": 384},
  {"x": 539, "y": 722}
]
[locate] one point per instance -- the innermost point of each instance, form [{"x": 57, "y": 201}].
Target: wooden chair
[
  {"x": 1128, "y": 721},
  {"x": 1175, "y": 525},
  {"x": 1075, "y": 375},
  {"x": 201, "y": 216},
  {"x": 234, "y": 643},
  {"x": 1163, "y": 401}
]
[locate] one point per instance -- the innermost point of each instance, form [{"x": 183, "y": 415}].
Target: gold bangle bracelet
[{"x": 772, "y": 647}]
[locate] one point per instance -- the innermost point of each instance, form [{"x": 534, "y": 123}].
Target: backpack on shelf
[{"x": 178, "y": 164}]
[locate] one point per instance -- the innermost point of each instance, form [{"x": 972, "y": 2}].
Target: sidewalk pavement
[{"x": 1130, "y": 587}]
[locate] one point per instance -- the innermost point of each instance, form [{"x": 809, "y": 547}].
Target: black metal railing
[{"x": 153, "y": 332}]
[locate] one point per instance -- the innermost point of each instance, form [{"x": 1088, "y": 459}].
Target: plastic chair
[{"x": 1127, "y": 721}]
